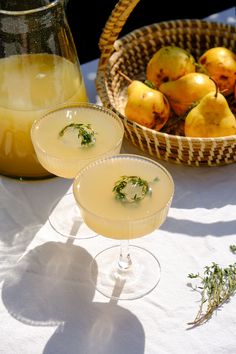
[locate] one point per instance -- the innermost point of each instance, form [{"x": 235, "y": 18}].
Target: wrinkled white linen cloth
[{"x": 48, "y": 305}]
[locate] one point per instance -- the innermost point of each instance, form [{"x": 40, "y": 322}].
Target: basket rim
[{"x": 210, "y": 23}]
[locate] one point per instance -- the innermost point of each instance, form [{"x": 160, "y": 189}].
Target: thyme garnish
[
  {"x": 85, "y": 134},
  {"x": 131, "y": 188},
  {"x": 217, "y": 285}
]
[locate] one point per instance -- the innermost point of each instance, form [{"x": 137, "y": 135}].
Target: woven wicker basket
[{"x": 131, "y": 53}]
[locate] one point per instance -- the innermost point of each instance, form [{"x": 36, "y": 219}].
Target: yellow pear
[
  {"x": 169, "y": 63},
  {"x": 146, "y": 106},
  {"x": 220, "y": 64},
  {"x": 186, "y": 91},
  {"x": 212, "y": 117}
]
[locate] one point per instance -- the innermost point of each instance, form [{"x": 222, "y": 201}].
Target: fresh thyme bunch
[{"x": 217, "y": 285}]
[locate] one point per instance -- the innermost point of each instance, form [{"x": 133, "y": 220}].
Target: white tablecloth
[{"x": 48, "y": 304}]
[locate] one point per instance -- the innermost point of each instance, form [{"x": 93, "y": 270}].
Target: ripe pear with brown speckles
[
  {"x": 186, "y": 91},
  {"x": 169, "y": 63},
  {"x": 146, "y": 106},
  {"x": 212, "y": 117},
  {"x": 220, "y": 63}
]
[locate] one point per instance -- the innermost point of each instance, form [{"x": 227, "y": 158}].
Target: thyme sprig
[
  {"x": 85, "y": 134},
  {"x": 217, "y": 286},
  {"x": 130, "y": 188}
]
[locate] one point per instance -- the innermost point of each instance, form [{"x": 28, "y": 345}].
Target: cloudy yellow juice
[
  {"x": 63, "y": 154},
  {"x": 113, "y": 218},
  {"x": 30, "y": 85}
]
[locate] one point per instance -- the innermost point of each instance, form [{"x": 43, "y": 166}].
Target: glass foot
[
  {"x": 139, "y": 279},
  {"x": 65, "y": 219}
]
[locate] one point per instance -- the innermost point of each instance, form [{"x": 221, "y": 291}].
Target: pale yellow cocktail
[
  {"x": 119, "y": 219},
  {"x": 58, "y": 144},
  {"x": 30, "y": 85}
]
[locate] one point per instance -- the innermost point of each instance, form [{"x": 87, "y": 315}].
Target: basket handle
[{"x": 113, "y": 27}]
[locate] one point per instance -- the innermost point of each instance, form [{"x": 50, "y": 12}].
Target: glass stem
[{"x": 124, "y": 259}]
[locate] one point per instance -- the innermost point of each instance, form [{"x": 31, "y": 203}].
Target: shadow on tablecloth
[{"x": 50, "y": 286}]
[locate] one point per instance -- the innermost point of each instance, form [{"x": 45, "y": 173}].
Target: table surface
[{"x": 48, "y": 304}]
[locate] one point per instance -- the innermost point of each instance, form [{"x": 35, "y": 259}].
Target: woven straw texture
[{"x": 131, "y": 53}]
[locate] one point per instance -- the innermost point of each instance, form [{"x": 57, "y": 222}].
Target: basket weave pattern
[{"x": 131, "y": 53}]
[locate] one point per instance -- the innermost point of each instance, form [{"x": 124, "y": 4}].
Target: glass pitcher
[{"x": 39, "y": 70}]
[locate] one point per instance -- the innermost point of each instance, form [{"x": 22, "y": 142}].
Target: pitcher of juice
[{"x": 39, "y": 70}]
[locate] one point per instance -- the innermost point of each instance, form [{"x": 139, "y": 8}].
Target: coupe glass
[
  {"x": 124, "y": 197},
  {"x": 65, "y": 140}
]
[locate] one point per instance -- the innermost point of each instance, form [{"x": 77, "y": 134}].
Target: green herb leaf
[
  {"x": 193, "y": 276},
  {"x": 85, "y": 134},
  {"x": 232, "y": 248},
  {"x": 131, "y": 188},
  {"x": 150, "y": 84}
]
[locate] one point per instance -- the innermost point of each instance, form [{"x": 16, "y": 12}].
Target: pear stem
[
  {"x": 125, "y": 76},
  {"x": 216, "y": 85}
]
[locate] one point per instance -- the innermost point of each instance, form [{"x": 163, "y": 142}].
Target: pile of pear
[{"x": 181, "y": 88}]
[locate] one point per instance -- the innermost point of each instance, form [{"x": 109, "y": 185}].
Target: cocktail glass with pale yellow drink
[
  {"x": 65, "y": 140},
  {"x": 124, "y": 197}
]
